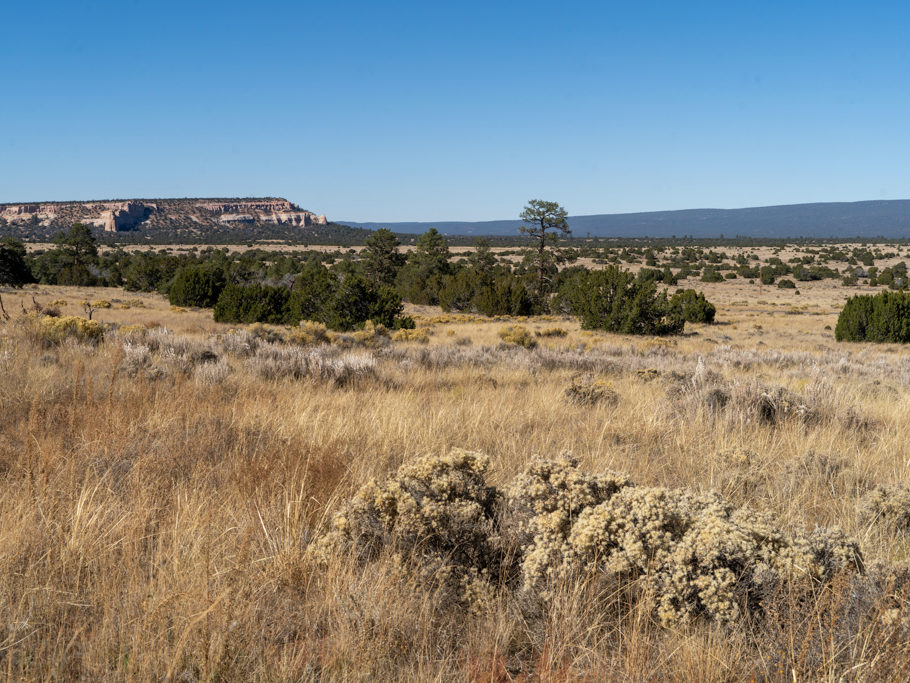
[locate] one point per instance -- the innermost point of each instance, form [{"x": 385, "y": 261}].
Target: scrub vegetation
[{"x": 475, "y": 497}]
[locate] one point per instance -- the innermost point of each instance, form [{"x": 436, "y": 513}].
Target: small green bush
[{"x": 692, "y": 306}]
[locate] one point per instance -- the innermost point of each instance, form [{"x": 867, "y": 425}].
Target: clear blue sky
[{"x": 457, "y": 111}]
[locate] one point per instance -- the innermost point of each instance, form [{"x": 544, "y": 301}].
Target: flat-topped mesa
[{"x": 131, "y": 214}]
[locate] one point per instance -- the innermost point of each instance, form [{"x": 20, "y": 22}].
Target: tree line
[{"x": 345, "y": 290}]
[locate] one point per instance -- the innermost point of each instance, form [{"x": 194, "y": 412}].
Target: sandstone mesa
[{"x": 132, "y": 214}]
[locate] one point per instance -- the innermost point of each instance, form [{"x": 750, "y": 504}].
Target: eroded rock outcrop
[{"x": 134, "y": 214}]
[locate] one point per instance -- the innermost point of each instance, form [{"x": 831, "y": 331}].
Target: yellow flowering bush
[
  {"x": 53, "y": 330},
  {"x": 518, "y": 335},
  {"x": 418, "y": 335}
]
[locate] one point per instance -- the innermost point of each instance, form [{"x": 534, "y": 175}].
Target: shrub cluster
[
  {"x": 617, "y": 301},
  {"x": 694, "y": 556},
  {"x": 889, "y": 505},
  {"x": 340, "y": 303},
  {"x": 51, "y": 330},
  {"x": 884, "y": 317}
]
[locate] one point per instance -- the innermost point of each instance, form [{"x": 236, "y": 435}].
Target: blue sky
[{"x": 457, "y": 111}]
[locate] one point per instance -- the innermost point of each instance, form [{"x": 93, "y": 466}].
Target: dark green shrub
[
  {"x": 311, "y": 289},
  {"x": 884, "y": 317},
  {"x": 692, "y": 306},
  {"x": 198, "y": 286},
  {"x": 404, "y": 322},
  {"x": 14, "y": 271},
  {"x": 786, "y": 284},
  {"x": 252, "y": 304},
  {"x": 711, "y": 275},
  {"x": 615, "y": 300},
  {"x": 499, "y": 292}
]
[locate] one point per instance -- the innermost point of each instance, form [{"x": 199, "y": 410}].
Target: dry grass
[{"x": 160, "y": 490}]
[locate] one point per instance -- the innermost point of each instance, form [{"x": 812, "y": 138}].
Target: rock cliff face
[
  {"x": 162, "y": 214},
  {"x": 279, "y": 211}
]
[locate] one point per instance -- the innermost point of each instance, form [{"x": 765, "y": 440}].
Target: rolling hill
[{"x": 880, "y": 218}]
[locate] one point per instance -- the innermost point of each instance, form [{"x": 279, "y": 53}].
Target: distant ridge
[{"x": 877, "y": 218}]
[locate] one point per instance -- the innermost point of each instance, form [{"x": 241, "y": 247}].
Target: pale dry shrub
[
  {"x": 545, "y": 501},
  {"x": 585, "y": 390},
  {"x": 436, "y": 516},
  {"x": 273, "y": 361},
  {"x": 888, "y": 505},
  {"x": 238, "y": 343},
  {"x": 137, "y": 357},
  {"x": 213, "y": 373},
  {"x": 691, "y": 556},
  {"x": 741, "y": 474},
  {"x": 757, "y": 403},
  {"x": 697, "y": 555},
  {"x": 518, "y": 335}
]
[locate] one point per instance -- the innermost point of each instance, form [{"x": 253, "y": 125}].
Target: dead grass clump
[
  {"x": 752, "y": 402},
  {"x": 586, "y": 391},
  {"x": 888, "y": 505},
  {"x": 238, "y": 343},
  {"x": 831, "y": 473},
  {"x": 213, "y": 373},
  {"x": 436, "y": 516},
  {"x": 518, "y": 335}
]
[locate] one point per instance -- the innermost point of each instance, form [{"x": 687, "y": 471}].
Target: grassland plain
[{"x": 162, "y": 489}]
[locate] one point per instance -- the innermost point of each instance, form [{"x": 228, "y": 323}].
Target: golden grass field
[{"x": 160, "y": 490}]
